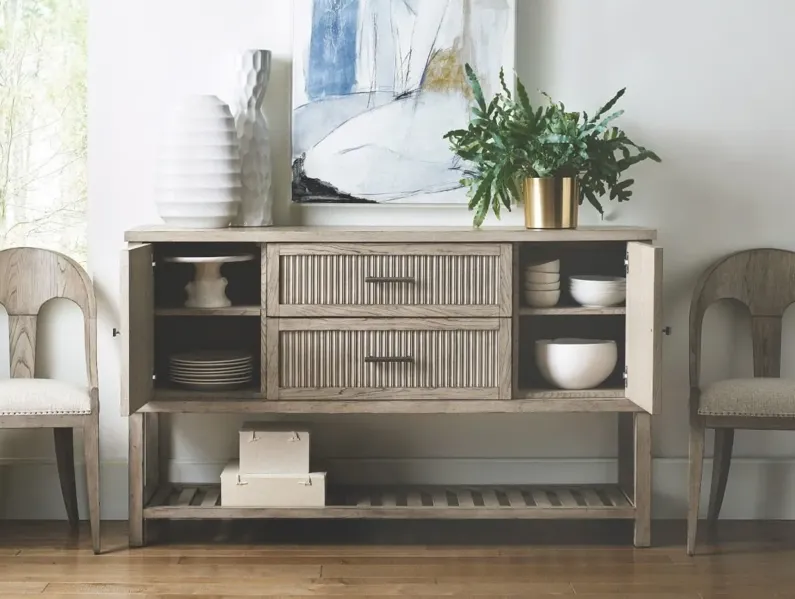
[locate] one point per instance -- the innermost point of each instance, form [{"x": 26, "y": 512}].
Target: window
[{"x": 44, "y": 125}]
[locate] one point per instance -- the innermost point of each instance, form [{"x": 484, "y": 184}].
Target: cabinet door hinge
[
  {"x": 626, "y": 376},
  {"x": 626, "y": 263}
]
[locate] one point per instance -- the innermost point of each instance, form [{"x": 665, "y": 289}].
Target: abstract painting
[{"x": 377, "y": 84}]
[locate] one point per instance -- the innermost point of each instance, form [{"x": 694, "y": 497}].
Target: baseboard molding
[{"x": 758, "y": 488}]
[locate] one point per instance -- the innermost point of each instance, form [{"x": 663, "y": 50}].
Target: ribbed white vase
[
  {"x": 256, "y": 208},
  {"x": 198, "y": 182}
]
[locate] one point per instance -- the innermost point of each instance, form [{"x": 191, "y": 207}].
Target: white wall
[{"x": 708, "y": 89}]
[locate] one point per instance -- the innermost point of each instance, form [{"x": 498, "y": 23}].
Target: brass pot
[{"x": 551, "y": 203}]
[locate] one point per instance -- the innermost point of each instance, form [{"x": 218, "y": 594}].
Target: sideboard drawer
[
  {"x": 451, "y": 280},
  {"x": 388, "y": 359}
]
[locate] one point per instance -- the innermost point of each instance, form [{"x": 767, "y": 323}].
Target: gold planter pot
[{"x": 551, "y": 203}]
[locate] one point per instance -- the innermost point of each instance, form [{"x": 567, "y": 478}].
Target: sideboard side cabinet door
[
  {"x": 137, "y": 327},
  {"x": 644, "y": 324}
]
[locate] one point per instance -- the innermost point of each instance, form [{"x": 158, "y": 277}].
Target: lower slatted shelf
[{"x": 184, "y": 501}]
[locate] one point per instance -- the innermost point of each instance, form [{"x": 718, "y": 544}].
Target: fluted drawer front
[
  {"x": 371, "y": 358},
  {"x": 378, "y": 280}
]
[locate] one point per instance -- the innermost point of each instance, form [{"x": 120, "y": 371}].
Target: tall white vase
[
  {"x": 256, "y": 209},
  {"x": 198, "y": 182}
]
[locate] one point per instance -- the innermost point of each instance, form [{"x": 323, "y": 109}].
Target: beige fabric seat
[
  {"x": 764, "y": 397},
  {"x": 24, "y": 397}
]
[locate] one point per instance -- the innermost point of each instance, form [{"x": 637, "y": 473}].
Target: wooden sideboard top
[{"x": 300, "y": 234}]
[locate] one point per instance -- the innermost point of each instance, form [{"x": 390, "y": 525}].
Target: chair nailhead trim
[{"x": 44, "y": 413}]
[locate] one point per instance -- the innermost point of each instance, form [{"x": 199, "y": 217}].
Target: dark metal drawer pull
[
  {"x": 407, "y": 280},
  {"x": 388, "y": 360}
]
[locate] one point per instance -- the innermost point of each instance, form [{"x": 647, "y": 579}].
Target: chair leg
[
  {"x": 697, "y": 433},
  {"x": 722, "y": 459},
  {"x": 91, "y": 447},
  {"x": 65, "y": 457}
]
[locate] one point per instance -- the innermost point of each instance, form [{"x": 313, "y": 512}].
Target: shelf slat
[
  {"x": 200, "y": 404},
  {"x": 567, "y": 394},
  {"x": 402, "y": 502},
  {"x": 572, "y": 311},
  {"x": 231, "y": 311}
]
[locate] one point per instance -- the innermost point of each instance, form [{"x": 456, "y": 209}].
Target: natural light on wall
[{"x": 43, "y": 124}]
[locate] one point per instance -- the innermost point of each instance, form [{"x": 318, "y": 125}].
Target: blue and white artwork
[{"x": 377, "y": 84}]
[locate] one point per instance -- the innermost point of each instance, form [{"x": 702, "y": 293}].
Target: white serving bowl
[
  {"x": 531, "y": 276},
  {"x": 598, "y": 281},
  {"x": 542, "y": 299},
  {"x": 543, "y": 265},
  {"x": 542, "y": 286},
  {"x": 598, "y": 291},
  {"x": 576, "y": 363}
]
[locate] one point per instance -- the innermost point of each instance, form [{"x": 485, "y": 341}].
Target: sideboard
[{"x": 317, "y": 300}]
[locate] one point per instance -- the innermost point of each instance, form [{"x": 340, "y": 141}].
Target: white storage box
[
  {"x": 274, "y": 448},
  {"x": 271, "y": 490}
]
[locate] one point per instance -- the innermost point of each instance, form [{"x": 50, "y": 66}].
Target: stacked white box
[
  {"x": 273, "y": 470},
  {"x": 274, "y": 448},
  {"x": 271, "y": 490}
]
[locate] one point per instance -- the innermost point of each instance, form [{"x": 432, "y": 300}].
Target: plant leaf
[
  {"x": 477, "y": 90},
  {"x": 502, "y": 83},
  {"x": 607, "y": 107}
]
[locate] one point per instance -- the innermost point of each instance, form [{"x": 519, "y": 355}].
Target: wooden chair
[
  {"x": 28, "y": 279},
  {"x": 764, "y": 281}
]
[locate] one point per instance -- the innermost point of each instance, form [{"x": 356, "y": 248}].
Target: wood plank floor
[{"x": 384, "y": 559}]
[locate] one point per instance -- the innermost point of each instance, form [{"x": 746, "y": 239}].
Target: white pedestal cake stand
[{"x": 208, "y": 288}]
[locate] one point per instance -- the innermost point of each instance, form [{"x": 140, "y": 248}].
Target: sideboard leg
[
  {"x": 626, "y": 454},
  {"x": 643, "y": 484},
  {"x": 137, "y": 449}
]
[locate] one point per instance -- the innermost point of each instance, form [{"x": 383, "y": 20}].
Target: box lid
[
  {"x": 273, "y": 427},
  {"x": 295, "y": 431}
]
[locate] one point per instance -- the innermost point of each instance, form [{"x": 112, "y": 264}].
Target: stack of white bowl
[
  {"x": 594, "y": 291},
  {"x": 542, "y": 283}
]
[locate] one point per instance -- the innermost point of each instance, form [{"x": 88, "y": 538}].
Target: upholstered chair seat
[
  {"x": 764, "y": 397},
  {"x": 30, "y": 397}
]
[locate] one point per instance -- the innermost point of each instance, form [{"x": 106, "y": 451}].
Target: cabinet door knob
[
  {"x": 116, "y": 332},
  {"x": 666, "y": 331}
]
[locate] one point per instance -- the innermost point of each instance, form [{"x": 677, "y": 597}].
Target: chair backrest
[
  {"x": 761, "y": 279},
  {"x": 30, "y": 277}
]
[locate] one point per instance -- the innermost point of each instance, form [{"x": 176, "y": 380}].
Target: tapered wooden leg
[
  {"x": 697, "y": 433},
  {"x": 136, "y": 473},
  {"x": 721, "y": 462},
  {"x": 643, "y": 489},
  {"x": 91, "y": 452},
  {"x": 65, "y": 457}
]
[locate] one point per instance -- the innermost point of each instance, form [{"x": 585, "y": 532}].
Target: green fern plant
[{"x": 508, "y": 140}]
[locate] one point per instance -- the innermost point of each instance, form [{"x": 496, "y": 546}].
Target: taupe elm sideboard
[{"x": 390, "y": 321}]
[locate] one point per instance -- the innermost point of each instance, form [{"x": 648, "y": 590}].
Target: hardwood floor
[{"x": 381, "y": 559}]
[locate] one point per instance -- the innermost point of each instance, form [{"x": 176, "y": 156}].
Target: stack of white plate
[
  {"x": 598, "y": 292},
  {"x": 542, "y": 283},
  {"x": 211, "y": 370}
]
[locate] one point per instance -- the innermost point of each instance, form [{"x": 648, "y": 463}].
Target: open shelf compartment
[
  {"x": 531, "y": 385},
  {"x": 576, "y": 259},
  {"x": 194, "y": 333},
  {"x": 244, "y": 278},
  {"x": 607, "y": 501}
]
